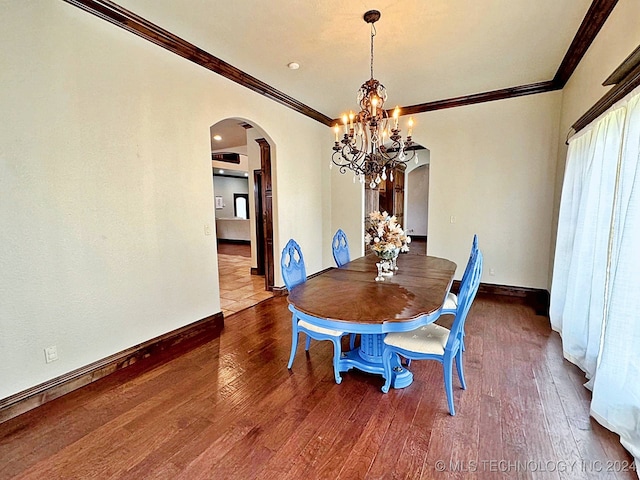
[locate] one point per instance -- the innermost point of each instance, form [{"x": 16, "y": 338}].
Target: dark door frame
[
  {"x": 267, "y": 212},
  {"x": 259, "y": 219}
]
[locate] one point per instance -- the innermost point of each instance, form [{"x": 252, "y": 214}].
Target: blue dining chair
[
  {"x": 451, "y": 302},
  {"x": 340, "y": 248},
  {"x": 293, "y": 274},
  {"x": 434, "y": 342}
]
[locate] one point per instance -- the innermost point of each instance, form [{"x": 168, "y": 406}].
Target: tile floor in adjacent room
[{"x": 238, "y": 288}]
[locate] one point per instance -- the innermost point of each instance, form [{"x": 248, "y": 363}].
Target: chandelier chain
[{"x": 373, "y": 34}]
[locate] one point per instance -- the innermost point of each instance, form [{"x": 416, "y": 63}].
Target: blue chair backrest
[
  {"x": 468, "y": 290},
  {"x": 340, "y": 248},
  {"x": 474, "y": 249},
  {"x": 292, "y": 265}
]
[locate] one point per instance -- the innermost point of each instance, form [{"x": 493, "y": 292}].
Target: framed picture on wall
[{"x": 219, "y": 203}]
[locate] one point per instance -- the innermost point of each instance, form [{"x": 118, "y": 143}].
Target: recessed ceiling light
[
  {"x": 246, "y": 174},
  {"x": 293, "y": 66},
  {"x": 220, "y": 171},
  {"x": 217, "y": 138}
]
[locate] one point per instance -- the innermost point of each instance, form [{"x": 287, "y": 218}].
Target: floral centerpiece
[{"x": 387, "y": 239}]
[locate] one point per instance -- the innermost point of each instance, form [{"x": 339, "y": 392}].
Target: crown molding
[
  {"x": 591, "y": 24},
  {"x": 107, "y": 10},
  {"x": 123, "y": 18}
]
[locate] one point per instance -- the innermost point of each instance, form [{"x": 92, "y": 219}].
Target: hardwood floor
[{"x": 228, "y": 408}]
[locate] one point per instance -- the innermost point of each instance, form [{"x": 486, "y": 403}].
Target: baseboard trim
[
  {"x": 536, "y": 298},
  {"x": 280, "y": 291},
  {"x": 283, "y": 292},
  {"x": 38, "y": 395},
  {"x": 233, "y": 241}
]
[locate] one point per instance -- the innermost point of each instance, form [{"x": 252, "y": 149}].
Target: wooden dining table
[{"x": 349, "y": 299}]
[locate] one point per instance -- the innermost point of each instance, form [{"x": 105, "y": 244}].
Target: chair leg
[
  {"x": 294, "y": 340},
  {"x": 336, "y": 359},
  {"x": 352, "y": 341},
  {"x": 448, "y": 383},
  {"x": 388, "y": 374},
  {"x": 460, "y": 369},
  {"x": 307, "y": 343}
]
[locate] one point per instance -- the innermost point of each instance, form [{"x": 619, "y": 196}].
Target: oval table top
[{"x": 351, "y": 294}]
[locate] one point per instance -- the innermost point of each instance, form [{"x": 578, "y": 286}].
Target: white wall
[
  {"x": 106, "y": 188},
  {"x": 347, "y": 208},
  {"x": 417, "y": 200},
  {"x": 492, "y": 167},
  {"x": 225, "y": 187}
]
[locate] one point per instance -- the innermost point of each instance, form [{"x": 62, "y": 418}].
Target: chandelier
[{"x": 371, "y": 145}]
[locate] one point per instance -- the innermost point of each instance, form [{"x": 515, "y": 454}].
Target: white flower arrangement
[{"x": 385, "y": 236}]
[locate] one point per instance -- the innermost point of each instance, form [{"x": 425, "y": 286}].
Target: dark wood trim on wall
[
  {"x": 280, "y": 291},
  {"x": 266, "y": 201},
  {"x": 591, "y": 24},
  {"x": 283, "y": 292},
  {"x": 233, "y": 242},
  {"x": 123, "y": 18},
  {"x": 626, "y": 85},
  {"x": 625, "y": 69},
  {"x": 107, "y": 10},
  {"x": 504, "y": 93},
  {"x": 33, "y": 397},
  {"x": 536, "y": 298}
]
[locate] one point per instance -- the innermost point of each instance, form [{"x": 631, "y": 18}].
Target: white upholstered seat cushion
[
  {"x": 316, "y": 328},
  {"x": 431, "y": 338},
  {"x": 451, "y": 302}
]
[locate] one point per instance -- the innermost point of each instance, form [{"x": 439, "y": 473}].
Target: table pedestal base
[{"x": 368, "y": 358}]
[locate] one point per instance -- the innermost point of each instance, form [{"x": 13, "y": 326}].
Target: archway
[
  {"x": 417, "y": 200},
  {"x": 241, "y": 165}
]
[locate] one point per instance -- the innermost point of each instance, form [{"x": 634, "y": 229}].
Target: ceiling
[{"x": 424, "y": 50}]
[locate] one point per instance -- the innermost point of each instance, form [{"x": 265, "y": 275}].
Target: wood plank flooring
[{"x": 228, "y": 408}]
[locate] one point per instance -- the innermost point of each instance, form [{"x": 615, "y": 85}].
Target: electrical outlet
[
  {"x": 452, "y": 219},
  {"x": 51, "y": 354},
  {"x": 207, "y": 229},
  {"x": 492, "y": 271}
]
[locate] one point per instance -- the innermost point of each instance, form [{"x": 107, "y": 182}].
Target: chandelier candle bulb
[
  {"x": 396, "y": 114},
  {"x": 410, "y": 129},
  {"x": 336, "y": 129}
]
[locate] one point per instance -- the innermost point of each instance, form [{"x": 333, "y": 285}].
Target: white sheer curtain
[
  {"x": 616, "y": 389},
  {"x": 595, "y": 294},
  {"x": 583, "y": 236}
]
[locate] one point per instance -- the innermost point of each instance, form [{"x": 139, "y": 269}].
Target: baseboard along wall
[{"x": 38, "y": 395}]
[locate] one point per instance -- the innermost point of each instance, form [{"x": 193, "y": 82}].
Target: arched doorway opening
[
  {"x": 417, "y": 201},
  {"x": 406, "y": 196},
  {"x": 241, "y": 166}
]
